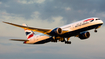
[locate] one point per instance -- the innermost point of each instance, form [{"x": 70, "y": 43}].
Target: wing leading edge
[{"x": 45, "y": 31}]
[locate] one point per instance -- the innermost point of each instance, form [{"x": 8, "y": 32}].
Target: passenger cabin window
[{"x": 97, "y": 19}]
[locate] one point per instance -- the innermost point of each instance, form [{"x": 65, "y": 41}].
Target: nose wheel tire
[{"x": 95, "y": 30}]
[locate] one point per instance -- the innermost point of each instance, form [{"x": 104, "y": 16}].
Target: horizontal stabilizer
[{"x": 19, "y": 39}]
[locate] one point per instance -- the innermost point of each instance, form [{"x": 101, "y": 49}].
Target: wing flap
[{"x": 19, "y": 39}]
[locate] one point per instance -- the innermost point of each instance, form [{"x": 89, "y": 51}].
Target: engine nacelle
[
  {"x": 84, "y": 35},
  {"x": 56, "y": 31}
]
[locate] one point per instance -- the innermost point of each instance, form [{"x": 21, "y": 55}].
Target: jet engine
[
  {"x": 84, "y": 35},
  {"x": 56, "y": 31}
]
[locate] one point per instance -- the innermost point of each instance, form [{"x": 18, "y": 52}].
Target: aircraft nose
[{"x": 102, "y": 22}]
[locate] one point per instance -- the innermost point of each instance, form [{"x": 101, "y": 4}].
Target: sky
[{"x": 50, "y": 14}]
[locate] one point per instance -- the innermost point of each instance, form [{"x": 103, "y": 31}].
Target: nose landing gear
[{"x": 95, "y": 30}]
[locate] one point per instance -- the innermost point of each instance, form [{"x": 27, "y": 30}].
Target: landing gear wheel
[
  {"x": 95, "y": 30},
  {"x": 63, "y": 40},
  {"x": 67, "y": 42}
]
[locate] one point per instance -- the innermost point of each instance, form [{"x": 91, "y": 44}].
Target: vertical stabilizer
[{"x": 30, "y": 34}]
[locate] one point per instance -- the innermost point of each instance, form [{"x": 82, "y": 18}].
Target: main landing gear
[
  {"x": 62, "y": 40},
  {"x": 68, "y": 42}
]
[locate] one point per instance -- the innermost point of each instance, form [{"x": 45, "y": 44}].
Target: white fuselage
[
  {"x": 70, "y": 27},
  {"x": 81, "y": 24}
]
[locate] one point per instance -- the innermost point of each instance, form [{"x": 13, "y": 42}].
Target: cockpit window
[
  {"x": 91, "y": 20},
  {"x": 97, "y": 19}
]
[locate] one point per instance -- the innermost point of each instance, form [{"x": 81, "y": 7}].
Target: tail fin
[{"x": 30, "y": 34}]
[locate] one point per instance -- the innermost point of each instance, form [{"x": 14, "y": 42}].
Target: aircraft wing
[
  {"x": 19, "y": 39},
  {"x": 45, "y": 31}
]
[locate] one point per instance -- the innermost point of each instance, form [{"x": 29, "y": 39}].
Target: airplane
[{"x": 77, "y": 29}]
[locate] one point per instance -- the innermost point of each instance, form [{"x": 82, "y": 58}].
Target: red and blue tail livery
[{"x": 29, "y": 33}]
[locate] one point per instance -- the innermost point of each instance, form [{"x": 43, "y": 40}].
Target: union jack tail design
[{"x": 30, "y": 34}]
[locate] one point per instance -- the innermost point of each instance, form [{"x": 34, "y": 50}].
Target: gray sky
[{"x": 50, "y": 14}]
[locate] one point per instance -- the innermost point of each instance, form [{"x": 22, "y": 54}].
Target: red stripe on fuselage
[
  {"x": 88, "y": 19},
  {"x": 30, "y": 35}
]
